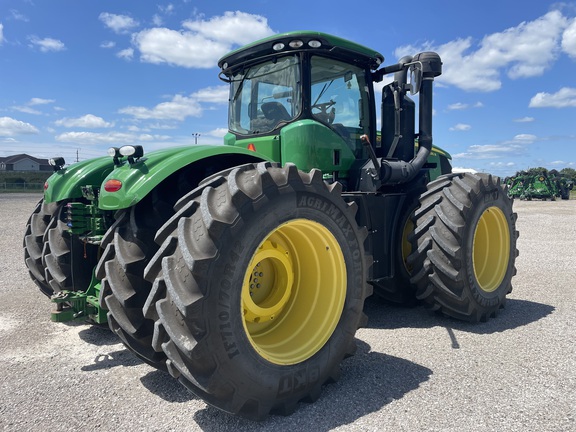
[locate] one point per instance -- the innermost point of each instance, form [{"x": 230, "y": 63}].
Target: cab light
[
  {"x": 296, "y": 43},
  {"x": 134, "y": 151},
  {"x": 57, "y": 163},
  {"x": 278, "y": 46},
  {"x": 314, "y": 44},
  {"x": 112, "y": 185},
  {"x": 251, "y": 147},
  {"x": 114, "y": 153}
]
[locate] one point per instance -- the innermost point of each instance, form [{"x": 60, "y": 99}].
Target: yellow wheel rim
[
  {"x": 293, "y": 292},
  {"x": 491, "y": 249}
]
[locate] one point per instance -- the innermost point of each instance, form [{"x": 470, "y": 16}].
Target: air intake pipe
[{"x": 425, "y": 66}]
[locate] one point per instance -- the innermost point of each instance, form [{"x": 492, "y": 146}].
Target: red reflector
[
  {"x": 251, "y": 147},
  {"x": 45, "y": 185},
  {"x": 112, "y": 185}
]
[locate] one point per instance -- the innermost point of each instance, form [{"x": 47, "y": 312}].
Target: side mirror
[{"x": 415, "y": 78}]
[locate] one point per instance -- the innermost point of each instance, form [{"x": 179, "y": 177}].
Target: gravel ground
[{"x": 413, "y": 371}]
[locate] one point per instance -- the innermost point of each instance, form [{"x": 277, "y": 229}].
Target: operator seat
[{"x": 276, "y": 112}]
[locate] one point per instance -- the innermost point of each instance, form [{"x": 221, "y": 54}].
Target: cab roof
[{"x": 330, "y": 45}]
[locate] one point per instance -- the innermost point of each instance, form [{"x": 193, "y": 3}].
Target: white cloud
[
  {"x": 523, "y": 139},
  {"x": 1, "y": 33},
  {"x": 219, "y": 94},
  {"x": 126, "y": 54},
  {"x": 218, "y": 133},
  {"x": 569, "y": 39},
  {"x": 118, "y": 23},
  {"x": 157, "y": 20},
  {"x": 178, "y": 108},
  {"x": 524, "y": 120},
  {"x": 40, "y": 101},
  {"x": 93, "y": 138},
  {"x": 11, "y": 127},
  {"x": 514, "y": 147},
  {"x": 167, "y": 10},
  {"x": 200, "y": 43},
  {"x": 563, "y": 98},
  {"x": 461, "y": 127},
  {"x": 233, "y": 27},
  {"x": 33, "y": 102},
  {"x": 27, "y": 110},
  {"x": 87, "y": 121},
  {"x": 18, "y": 16},
  {"x": 523, "y": 51},
  {"x": 463, "y": 106},
  {"x": 162, "y": 45},
  {"x": 457, "y": 106},
  {"x": 498, "y": 165},
  {"x": 107, "y": 44},
  {"x": 47, "y": 44}
]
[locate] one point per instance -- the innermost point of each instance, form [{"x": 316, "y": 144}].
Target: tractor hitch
[{"x": 79, "y": 305}]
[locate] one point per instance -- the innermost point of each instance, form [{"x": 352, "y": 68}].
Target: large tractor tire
[
  {"x": 258, "y": 288},
  {"x": 128, "y": 247},
  {"x": 464, "y": 246},
  {"x": 49, "y": 251},
  {"x": 34, "y": 239}
]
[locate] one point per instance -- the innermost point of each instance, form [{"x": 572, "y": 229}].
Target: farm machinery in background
[
  {"x": 242, "y": 269},
  {"x": 543, "y": 185}
]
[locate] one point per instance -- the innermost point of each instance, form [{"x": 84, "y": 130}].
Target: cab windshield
[{"x": 265, "y": 96}]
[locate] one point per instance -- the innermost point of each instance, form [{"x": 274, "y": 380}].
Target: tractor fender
[
  {"x": 66, "y": 183},
  {"x": 141, "y": 177}
]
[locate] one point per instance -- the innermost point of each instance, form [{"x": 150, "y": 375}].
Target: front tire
[
  {"x": 464, "y": 246},
  {"x": 258, "y": 288}
]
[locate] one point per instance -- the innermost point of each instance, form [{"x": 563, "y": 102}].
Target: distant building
[{"x": 24, "y": 162}]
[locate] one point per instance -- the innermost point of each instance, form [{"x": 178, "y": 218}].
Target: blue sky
[{"x": 77, "y": 77}]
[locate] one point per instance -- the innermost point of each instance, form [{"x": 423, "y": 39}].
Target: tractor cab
[{"x": 305, "y": 98}]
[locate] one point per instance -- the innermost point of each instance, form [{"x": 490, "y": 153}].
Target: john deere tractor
[{"x": 242, "y": 269}]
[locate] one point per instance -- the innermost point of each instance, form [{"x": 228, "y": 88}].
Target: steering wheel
[{"x": 324, "y": 114}]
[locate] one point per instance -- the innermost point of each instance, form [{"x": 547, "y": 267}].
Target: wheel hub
[{"x": 270, "y": 284}]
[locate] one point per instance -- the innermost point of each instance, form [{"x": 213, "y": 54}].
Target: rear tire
[
  {"x": 128, "y": 246},
  {"x": 33, "y": 243},
  {"x": 258, "y": 288},
  {"x": 48, "y": 249},
  {"x": 464, "y": 246}
]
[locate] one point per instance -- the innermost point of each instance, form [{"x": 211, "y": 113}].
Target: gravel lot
[{"x": 413, "y": 371}]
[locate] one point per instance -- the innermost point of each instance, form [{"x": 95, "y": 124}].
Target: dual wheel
[{"x": 455, "y": 248}]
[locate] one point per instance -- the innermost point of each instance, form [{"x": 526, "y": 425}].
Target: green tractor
[{"x": 242, "y": 269}]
